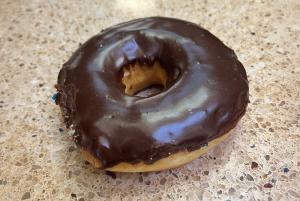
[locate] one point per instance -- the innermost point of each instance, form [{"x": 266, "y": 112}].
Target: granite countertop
[{"x": 38, "y": 159}]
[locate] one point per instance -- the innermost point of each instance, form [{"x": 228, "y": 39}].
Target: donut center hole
[{"x": 144, "y": 80}]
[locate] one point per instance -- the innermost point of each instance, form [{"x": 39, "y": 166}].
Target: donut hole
[{"x": 144, "y": 80}]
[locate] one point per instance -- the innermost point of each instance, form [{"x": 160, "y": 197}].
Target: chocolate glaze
[{"x": 204, "y": 101}]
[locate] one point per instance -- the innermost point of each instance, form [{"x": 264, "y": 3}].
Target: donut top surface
[{"x": 207, "y": 91}]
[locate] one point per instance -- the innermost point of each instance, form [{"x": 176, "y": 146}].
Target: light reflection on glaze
[
  {"x": 170, "y": 132},
  {"x": 130, "y": 48},
  {"x": 175, "y": 110}
]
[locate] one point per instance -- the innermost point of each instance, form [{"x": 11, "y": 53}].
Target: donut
[{"x": 151, "y": 94}]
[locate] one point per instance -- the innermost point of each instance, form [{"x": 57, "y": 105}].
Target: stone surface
[{"x": 37, "y": 157}]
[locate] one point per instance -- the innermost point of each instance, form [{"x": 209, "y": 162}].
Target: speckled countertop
[{"x": 38, "y": 160}]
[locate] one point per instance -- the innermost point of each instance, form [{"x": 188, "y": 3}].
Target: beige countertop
[{"x": 38, "y": 159}]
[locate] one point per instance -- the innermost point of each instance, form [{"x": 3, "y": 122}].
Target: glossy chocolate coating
[{"x": 204, "y": 101}]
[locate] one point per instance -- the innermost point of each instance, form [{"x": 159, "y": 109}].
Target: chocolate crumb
[
  {"x": 73, "y": 195},
  {"x": 254, "y": 165},
  {"x": 268, "y": 185}
]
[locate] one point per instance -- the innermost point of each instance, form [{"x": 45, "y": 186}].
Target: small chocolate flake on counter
[
  {"x": 73, "y": 195},
  {"x": 254, "y": 165},
  {"x": 268, "y": 185}
]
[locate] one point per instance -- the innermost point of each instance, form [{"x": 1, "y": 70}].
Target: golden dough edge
[{"x": 175, "y": 160}]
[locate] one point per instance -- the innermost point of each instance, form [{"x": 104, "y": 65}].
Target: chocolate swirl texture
[{"x": 205, "y": 99}]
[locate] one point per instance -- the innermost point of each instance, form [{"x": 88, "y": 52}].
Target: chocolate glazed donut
[{"x": 206, "y": 92}]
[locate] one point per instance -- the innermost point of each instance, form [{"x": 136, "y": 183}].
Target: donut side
[{"x": 174, "y": 160}]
